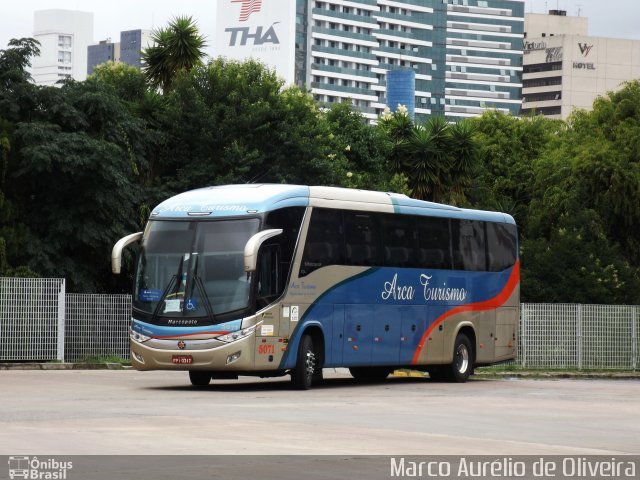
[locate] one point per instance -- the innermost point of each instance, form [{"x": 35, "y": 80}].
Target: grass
[{"x": 105, "y": 359}]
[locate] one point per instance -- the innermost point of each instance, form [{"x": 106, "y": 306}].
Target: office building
[
  {"x": 565, "y": 69},
  {"x": 104, "y": 51},
  {"x": 132, "y": 42},
  {"x": 64, "y": 36},
  {"x": 459, "y": 57},
  {"x": 128, "y": 50}
]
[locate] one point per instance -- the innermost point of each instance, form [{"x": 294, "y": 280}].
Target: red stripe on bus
[{"x": 499, "y": 299}]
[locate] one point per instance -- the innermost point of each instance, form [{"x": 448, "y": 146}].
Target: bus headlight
[
  {"x": 237, "y": 335},
  {"x": 138, "y": 337}
]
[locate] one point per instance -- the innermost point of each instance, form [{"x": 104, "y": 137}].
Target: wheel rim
[
  {"x": 310, "y": 365},
  {"x": 462, "y": 358}
]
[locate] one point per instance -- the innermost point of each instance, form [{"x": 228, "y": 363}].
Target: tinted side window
[
  {"x": 362, "y": 239},
  {"x": 434, "y": 243},
  {"x": 502, "y": 242},
  {"x": 325, "y": 241},
  {"x": 289, "y": 220},
  {"x": 399, "y": 240},
  {"x": 468, "y": 245}
]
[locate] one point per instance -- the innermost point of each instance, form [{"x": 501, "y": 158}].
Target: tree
[
  {"x": 508, "y": 148},
  {"x": 176, "y": 48},
  {"x": 70, "y": 182},
  {"x": 436, "y": 157},
  {"x": 230, "y": 122},
  {"x": 16, "y": 103},
  {"x": 361, "y": 151}
]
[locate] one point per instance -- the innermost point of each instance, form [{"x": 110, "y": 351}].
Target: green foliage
[
  {"x": 232, "y": 122},
  {"x": 82, "y": 165},
  {"x": 360, "y": 154},
  {"x": 436, "y": 157},
  {"x": 509, "y": 146},
  {"x": 176, "y": 48}
]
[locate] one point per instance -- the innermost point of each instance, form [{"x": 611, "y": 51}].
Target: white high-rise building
[{"x": 64, "y": 36}]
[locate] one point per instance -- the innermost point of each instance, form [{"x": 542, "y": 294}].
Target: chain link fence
[{"x": 40, "y": 322}]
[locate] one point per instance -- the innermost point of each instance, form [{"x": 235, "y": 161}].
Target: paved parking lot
[{"x": 129, "y": 412}]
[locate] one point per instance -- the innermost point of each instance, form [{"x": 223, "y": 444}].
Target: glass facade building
[{"x": 466, "y": 54}]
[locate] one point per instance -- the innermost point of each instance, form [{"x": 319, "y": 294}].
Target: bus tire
[
  {"x": 370, "y": 374},
  {"x": 460, "y": 369},
  {"x": 303, "y": 374},
  {"x": 199, "y": 378}
]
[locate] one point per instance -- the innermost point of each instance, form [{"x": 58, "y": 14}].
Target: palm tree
[
  {"x": 428, "y": 160},
  {"x": 465, "y": 151},
  {"x": 179, "y": 47}
]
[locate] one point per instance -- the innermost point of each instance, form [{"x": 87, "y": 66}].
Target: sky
[{"x": 607, "y": 18}]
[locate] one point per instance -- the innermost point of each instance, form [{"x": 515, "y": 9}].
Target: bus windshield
[{"x": 193, "y": 268}]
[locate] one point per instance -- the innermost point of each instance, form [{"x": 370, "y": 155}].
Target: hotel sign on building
[
  {"x": 259, "y": 29},
  {"x": 572, "y": 70}
]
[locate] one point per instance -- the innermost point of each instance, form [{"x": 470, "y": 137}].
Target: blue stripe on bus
[{"x": 389, "y": 302}]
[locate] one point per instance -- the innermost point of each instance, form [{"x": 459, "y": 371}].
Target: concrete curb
[
  {"x": 532, "y": 374},
  {"x": 62, "y": 366},
  {"x": 528, "y": 374}
]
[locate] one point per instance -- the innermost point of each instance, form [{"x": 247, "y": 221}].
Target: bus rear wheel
[
  {"x": 304, "y": 373},
  {"x": 370, "y": 374},
  {"x": 199, "y": 378},
  {"x": 461, "y": 367}
]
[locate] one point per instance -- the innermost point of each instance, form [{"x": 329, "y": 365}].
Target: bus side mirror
[
  {"x": 253, "y": 245},
  {"x": 116, "y": 253}
]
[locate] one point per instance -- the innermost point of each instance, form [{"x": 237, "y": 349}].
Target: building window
[
  {"x": 542, "y": 111},
  {"x": 542, "y": 97},
  {"x": 64, "y": 57},
  {"x": 64, "y": 41},
  {"x": 542, "y": 67},
  {"x": 541, "y": 82}
]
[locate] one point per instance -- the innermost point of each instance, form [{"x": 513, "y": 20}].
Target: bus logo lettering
[
  {"x": 397, "y": 292},
  {"x": 393, "y": 291},
  {"x": 441, "y": 293}
]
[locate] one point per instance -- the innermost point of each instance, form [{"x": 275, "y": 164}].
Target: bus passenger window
[
  {"x": 502, "y": 243},
  {"x": 434, "y": 242},
  {"x": 361, "y": 240},
  {"x": 399, "y": 240},
  {"x": 468, "y": 245},
  {"x": 325, "y": 241}
]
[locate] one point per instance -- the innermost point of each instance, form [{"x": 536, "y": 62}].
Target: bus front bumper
[{"x": 234, "y": 356}]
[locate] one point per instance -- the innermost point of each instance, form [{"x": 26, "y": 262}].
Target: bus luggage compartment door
[
  {"x": 413, "y": 327},
  {"x": 386, "y": 335},
  {"x": 358, "y": 328}
]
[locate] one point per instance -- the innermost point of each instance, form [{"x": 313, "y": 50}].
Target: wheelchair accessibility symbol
[{"x": 191, "y": 304}]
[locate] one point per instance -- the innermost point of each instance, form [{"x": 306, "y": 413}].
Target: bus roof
[{"x": 250, "y": 199}]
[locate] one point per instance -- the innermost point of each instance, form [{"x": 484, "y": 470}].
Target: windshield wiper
[{"x": 198, "y": 281}]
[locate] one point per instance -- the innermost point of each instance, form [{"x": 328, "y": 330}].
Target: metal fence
[
  {"x": 38, "y": 321},
  {"x": 579, "y": 336},
  {"x": 32, "y": 318},
  {"x": 97, "y": 326}
]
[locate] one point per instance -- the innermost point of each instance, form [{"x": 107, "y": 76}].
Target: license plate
[{"x": 182, "y": 359}]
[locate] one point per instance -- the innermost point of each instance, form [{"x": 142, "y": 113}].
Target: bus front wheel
[
  {"x": 199, "y": 378},
  {"x": 461, "y": 367},
  {"x": 303, "y": 374}
]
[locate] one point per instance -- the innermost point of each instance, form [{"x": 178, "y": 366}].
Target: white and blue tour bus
[{"x": 271, "y": 280}]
